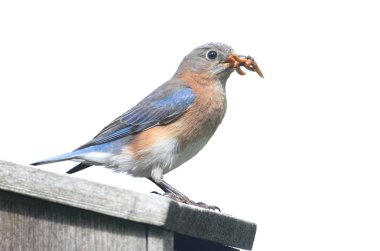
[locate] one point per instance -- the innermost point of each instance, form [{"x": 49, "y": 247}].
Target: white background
[{"x": 298, "y": 151}]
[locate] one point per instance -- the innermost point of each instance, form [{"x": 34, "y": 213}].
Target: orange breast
[{"x": 199, "y": 121}]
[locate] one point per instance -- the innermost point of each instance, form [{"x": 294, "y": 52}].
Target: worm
[{"x": 235, "y": 61}]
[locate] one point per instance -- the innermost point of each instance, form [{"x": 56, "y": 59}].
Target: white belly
[
  {"x": 189, "y": 151},
  {"x": 161, "y": 158}
]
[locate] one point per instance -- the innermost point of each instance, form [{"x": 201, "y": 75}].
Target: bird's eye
[{"x": 212, "y": 55}]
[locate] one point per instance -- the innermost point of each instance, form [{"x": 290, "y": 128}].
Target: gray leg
[
  {"x": 176, "y": 195},
  {"x": 168, "y": 188}
]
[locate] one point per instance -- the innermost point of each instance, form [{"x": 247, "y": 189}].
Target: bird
[{"x": 170, "y": 125}]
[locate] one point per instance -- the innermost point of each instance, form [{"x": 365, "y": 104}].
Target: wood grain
[
  {"x": 32, "y": 224},
  {"x": 129, "y": 205}
]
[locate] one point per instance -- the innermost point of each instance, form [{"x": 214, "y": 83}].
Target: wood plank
[
  {"x": 187, "y": 243},
  {"x": 130, "y": 205},
  {"x": 33, "y": 224},
  {"x": 159, "y": 239}
]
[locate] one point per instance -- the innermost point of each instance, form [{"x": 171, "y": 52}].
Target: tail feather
[
  {"x": 88, "y": 156},
  {"x": 78, "y": 168},
  {"x": 63, "y": 157}
]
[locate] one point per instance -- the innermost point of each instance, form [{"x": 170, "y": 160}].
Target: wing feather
[{"x": 164, "y": 105}]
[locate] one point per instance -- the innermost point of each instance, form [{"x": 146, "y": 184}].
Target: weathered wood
[
  {"x": 129, "y": 205},
  {"x": 159, "y": 239},
  {"x": 32, "y": 224},
  {"x": 186, "y": 243}
]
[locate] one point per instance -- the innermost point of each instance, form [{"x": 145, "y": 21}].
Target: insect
[{"x": 236, "y": 61}]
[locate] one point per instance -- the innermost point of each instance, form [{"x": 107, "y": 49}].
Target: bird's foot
[
  {"x": 174, "y": 197},
  {"x": 187, "y": 201},
  {"x": 204, "y": 205}
]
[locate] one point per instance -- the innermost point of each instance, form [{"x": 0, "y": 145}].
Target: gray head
[{"x": 207, "y": 60}]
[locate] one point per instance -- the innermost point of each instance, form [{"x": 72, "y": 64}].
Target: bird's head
[{"x": 217, "y": 61}]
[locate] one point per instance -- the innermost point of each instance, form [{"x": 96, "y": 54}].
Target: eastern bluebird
[{"x": 170, "y": 125}]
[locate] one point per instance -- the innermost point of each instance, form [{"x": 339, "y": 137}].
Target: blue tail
[
  {"x": 81, "y": 153},
  {"x": 63, "y": 157}
]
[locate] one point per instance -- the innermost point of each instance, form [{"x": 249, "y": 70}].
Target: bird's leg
[
  {"x": 168, "y": 189},
  {"x": 176, "y": 195}
]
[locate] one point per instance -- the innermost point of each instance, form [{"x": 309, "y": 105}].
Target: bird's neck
[{"x": 201, "y": 80}]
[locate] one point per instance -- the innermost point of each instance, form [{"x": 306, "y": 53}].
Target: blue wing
[{"x": 162, "y": 106}]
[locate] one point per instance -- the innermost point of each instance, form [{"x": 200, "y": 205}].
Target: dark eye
[{"x": 212, "y": 55}]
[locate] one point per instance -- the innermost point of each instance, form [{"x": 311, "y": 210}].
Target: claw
[
  {"x": 188, "y": 201},
  {"x": 204, "y": 205}
]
